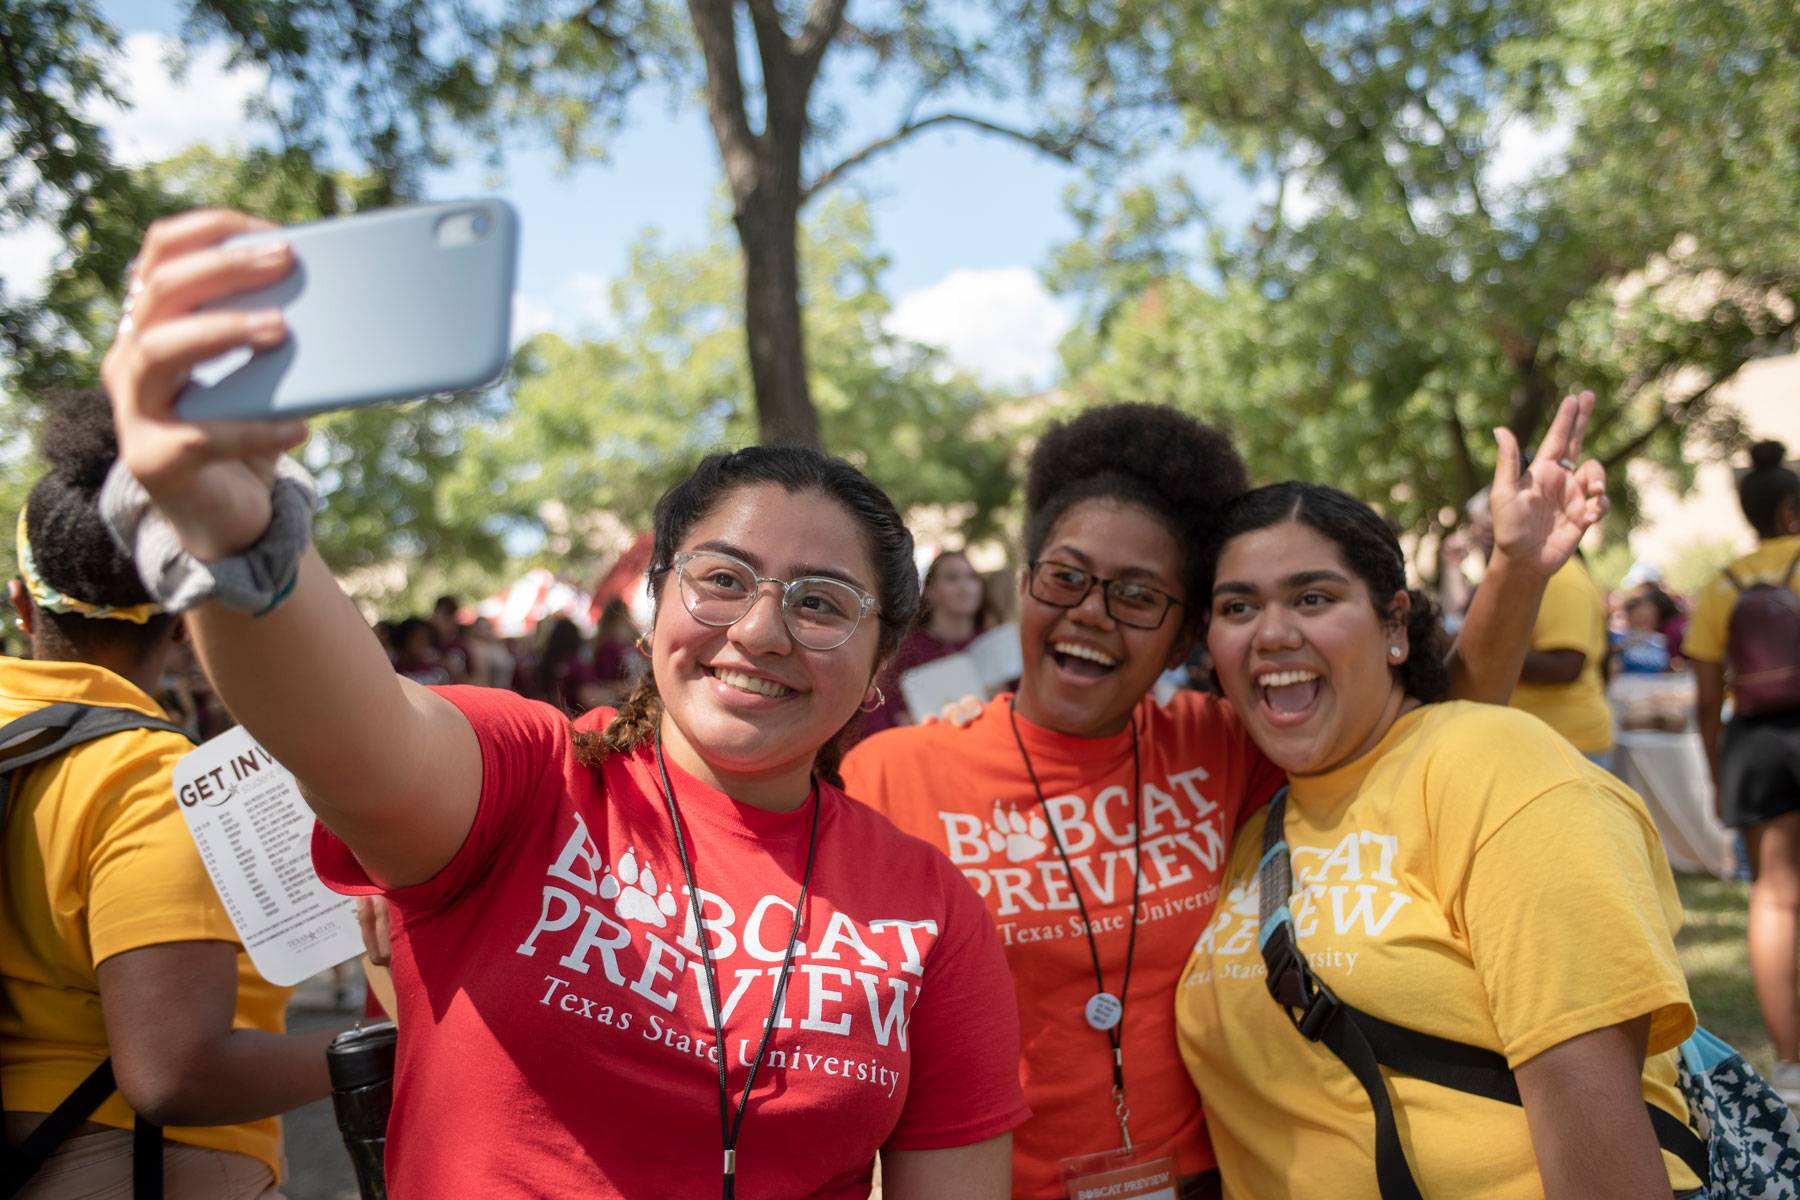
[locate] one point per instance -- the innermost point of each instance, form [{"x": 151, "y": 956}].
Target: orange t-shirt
[{"x": 966, "y": 790}]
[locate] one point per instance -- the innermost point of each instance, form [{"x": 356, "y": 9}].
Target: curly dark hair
[
  {"x": 1179, "y": 470},
  {"x": 1369, "y": 548},
  {"x": 74, "y": 552},
  {"x": 797, "y": 469},
  {"x": 1766, "y": 487}
]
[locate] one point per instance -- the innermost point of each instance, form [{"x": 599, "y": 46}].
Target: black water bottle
[{"x": 361, "y": 1062}]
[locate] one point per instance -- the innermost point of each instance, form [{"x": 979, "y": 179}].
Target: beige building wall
[{"x": 1677, "y": 526}]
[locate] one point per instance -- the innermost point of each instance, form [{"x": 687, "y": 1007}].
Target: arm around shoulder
[{"x": 982, "y": 1171}]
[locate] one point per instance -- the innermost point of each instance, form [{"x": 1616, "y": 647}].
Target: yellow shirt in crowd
[
  {"x": 1572, "y": 616},
  {"x": 1471, "y": 877},
  {"x": 1705, "y": 636},
  {"x": 98, "y": 861}
]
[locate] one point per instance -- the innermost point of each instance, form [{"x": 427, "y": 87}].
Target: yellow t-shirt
[
  {"x": 1705, "y": 636},
  {"x": 1572, "y": 616},
  {"x": 99, "y": 861},
  {"x": 1471, "y": 877}
]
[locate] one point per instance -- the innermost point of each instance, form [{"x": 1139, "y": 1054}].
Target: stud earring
[{"x": 1394, "y": 652}]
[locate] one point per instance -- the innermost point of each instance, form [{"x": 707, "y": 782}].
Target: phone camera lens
[{"x": 480, "y": 225}]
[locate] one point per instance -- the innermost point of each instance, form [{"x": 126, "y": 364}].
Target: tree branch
[
  {"x": 715, "y": 26},
  {"x": 823, "y": 22},
  {"x": 1057, "y": 146}
]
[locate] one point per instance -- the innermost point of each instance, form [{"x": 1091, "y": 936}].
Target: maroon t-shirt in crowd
[{"x": 555, "y": 1037}]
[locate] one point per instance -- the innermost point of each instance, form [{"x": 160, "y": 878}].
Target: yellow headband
[{"x": 51, "y": 600}]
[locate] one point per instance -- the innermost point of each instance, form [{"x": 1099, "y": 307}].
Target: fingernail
[
  {"x": 267, "y": 324},
  {"x": 290, "y": 431},
  {"x": 270, "y": 254}
]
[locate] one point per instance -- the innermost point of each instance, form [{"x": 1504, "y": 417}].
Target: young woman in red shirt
[
  {"x": 1094, "y": 821},
  {"x": 652, "y": 953}
]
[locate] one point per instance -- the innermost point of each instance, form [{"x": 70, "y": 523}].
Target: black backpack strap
[
  {"x": 1365, "y": 1043},
  {"x": 31, "y": 739}
]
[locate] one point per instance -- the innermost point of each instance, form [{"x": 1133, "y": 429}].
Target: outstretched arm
[
  {"x": 1539, "y": 517},
  {"x": 391, "y": 768}
]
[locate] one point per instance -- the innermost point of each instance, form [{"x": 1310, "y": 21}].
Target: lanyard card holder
[{"x": 1123, "y": 1174}]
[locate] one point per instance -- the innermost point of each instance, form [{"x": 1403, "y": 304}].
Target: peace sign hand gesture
[{"x": 1539, "y": 516}]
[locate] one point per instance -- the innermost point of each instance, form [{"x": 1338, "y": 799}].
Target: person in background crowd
[
  {"x": 617, "y": 660},
  {"x": 491, "y": 662},
  {"x": 1083, "y": 809},
  {"x": 1458, "y": 870},
  {"x": 1755, "y": 759},
  {"x": 452, "y": 649},
  {"x": 416, "y": 653},
  {"x": 1641, "y": 648},
  {"x": 564, "y": 675},
  {"x": 1563, "y": 681},
  {"x": 949, "y": 619},
  {"x": 575, "y": 1024},
  {"x": 112, "y": 940}
]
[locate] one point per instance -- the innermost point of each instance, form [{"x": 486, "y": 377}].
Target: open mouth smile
[
  {"x": 1288, "y": 696},
  {"x": 1083, "y": 660}
]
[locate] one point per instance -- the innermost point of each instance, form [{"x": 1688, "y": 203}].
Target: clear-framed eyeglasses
[
  {"x": 1064, "y": 585},
  {"x": 719, "y": 589}
]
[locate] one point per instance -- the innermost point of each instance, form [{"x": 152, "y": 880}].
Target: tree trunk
[{"x": 768, "y": 229}]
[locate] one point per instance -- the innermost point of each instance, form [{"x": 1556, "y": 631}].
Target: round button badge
[{"x": 1103, "y": 1010}]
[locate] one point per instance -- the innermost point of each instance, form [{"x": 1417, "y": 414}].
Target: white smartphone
[{"x": 387, "y": 305}]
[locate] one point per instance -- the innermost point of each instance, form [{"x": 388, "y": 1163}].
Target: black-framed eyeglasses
[
  {"x": 1065, "y": 586},
  {"x": 720, "y": 589}
]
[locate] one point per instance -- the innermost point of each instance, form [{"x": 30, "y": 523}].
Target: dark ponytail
[{"x": 1766, "y": 487}]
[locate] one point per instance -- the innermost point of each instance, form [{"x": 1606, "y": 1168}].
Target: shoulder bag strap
[{"x": 1365, "y": 1043}]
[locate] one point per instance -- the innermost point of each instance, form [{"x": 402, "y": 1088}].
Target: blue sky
[{"x": 967, "y": 221}]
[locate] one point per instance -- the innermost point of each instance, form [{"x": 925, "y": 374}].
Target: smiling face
[
  {"x": 745, "y": 707},
  {"x": 1300, "y": 649},
  {"x": 954, "y": 588},
  {"x": 1085, "y": 672}
]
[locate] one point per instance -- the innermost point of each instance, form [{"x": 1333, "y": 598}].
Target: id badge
[{"x": 1121, "y": 1175}]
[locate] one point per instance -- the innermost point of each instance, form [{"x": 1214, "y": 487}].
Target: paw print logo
[
  {"x": 1020, "y": 835},
  {"x": 633, "y": 890}
]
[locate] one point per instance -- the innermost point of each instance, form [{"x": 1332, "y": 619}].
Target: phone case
[{"x": 388, "y": 305}]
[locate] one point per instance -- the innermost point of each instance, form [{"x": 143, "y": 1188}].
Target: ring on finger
[{"x": 1566, "y": 463}]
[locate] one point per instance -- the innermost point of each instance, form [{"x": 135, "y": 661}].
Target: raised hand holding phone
[{"x": 210, "y": 479}]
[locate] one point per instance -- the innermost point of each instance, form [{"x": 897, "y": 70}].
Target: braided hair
[{"x": 795, "y": 469}]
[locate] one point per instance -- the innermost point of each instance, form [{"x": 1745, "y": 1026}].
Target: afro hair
[{"x": 1179, "y": 470}]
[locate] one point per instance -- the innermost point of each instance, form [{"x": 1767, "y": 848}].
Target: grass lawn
[{"x": 1712, "y": 950}]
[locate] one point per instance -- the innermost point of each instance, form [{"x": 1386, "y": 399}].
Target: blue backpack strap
[
  {"x": 37, "y": 737},
  {"x": 1365, "y": 1043}
]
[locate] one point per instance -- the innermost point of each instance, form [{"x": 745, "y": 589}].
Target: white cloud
[
  {"x": 26, "y": 256},
  {"x": 166, "y": 115},
  {"x": 530, "y": 317},
  {"x": 1526, "y": 149},
  {"x": 1000, "y": 325},
  {"x": 590, "y": 296},
  {"x": 579, "y": 306}
]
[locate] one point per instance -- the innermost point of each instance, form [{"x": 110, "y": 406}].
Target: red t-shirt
[
  {"x": 554, "y": 1037},
  {"x": 966, "y": 789}
]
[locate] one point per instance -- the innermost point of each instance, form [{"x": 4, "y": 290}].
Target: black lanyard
[
  {"x": 731, "y": 1125},
  {"x": 1115, "y": 1033}
]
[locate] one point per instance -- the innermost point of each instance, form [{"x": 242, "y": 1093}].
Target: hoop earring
[
  {"x": 880, "y": 700},
  {"x": 643, "y": 645}
]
